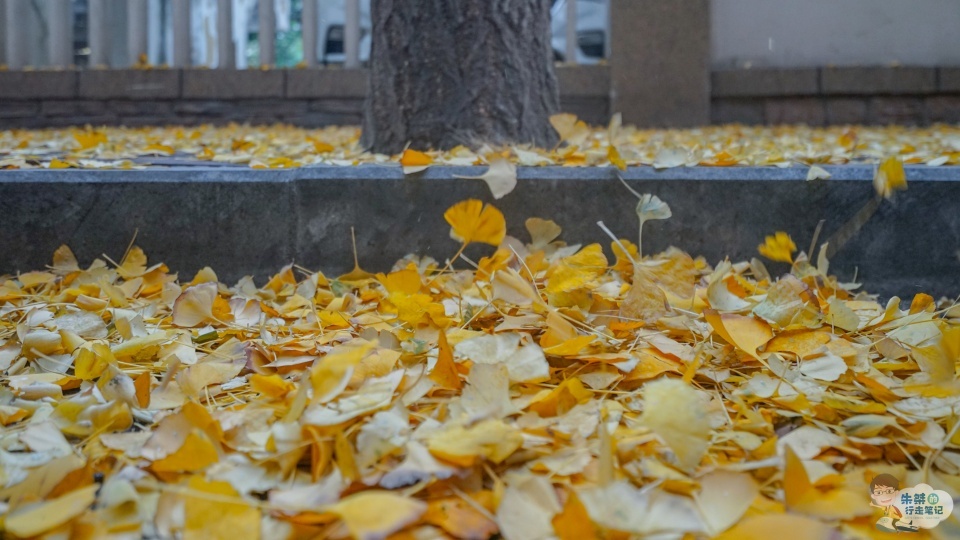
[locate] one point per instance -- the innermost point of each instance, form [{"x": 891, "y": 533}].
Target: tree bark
[{"x": 451, "y": 72}]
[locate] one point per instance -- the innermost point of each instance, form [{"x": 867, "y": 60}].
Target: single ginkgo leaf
[
  {"x": 542, "y": 231},
  {"x": 561, "y": 399},
  {"x": 509, "y": 286},
  {"x": 195, "y": 305},
  {"x": 573, "y": 522},
  {"x": 678, "y": 414},
  {"x": 472, "y": 221},
  {"x": 414, "y": 161},
  {"x": 801, "y": 496},
  {"x": 779, "y": 526},
  {"x": 571, "y": 130},
  {"x": 648, "y": 208},
  {"x": 501, "y": 177},
  {"x": 724, "y": 497},
  {"x": 64, "y": 261},
  {"x": 215, "y": 511},
  {"x": 376, "y": 514},
  {"x": 668, "y": 158},
  {"x": 490, "y": 439},
  {"x": 744, "y": 332},
  {"x": 460, "y": 518},
  {"x": 779, "y": 247},
  {"x": 196, "y": 454},
  {"x": 34, "y": 519},
  {"x": 445, "y": 370},
  {"x": 614, "y": 156},
  {"x": 817, "y": 173},
  {"x": 890, "y": 177}
]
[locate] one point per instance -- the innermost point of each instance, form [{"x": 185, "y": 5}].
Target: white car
[{"x": 591, "y": 30}]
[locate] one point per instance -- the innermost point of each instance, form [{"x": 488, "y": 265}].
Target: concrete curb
[{"x": 241, "y": 221}]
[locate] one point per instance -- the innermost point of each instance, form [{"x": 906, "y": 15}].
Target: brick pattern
[
  {"x": 315, "y": 98},
  {"x": 830, "y": 111},
  {"x": 837, "y": 96},
  {"x": 308, "y": 98}
]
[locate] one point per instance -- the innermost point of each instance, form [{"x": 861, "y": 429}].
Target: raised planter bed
[{"x": 242, "y": 222}]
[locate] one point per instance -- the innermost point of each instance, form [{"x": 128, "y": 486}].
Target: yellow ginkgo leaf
[
  {"x": 801, "y": 496},
  {"x": 472, "y": 221},
  {"x": 414, "y": 161},
  {"x": 724, "y": 497},
  {"x": 376, "y": 514},
  {"x": 490, "y": 439},
  {"x": 571, "y": 346},
  {"x": 571, "y": 130},
  {"x": 461, "y": 518},
  {"x": 561, "y": 399},
  {"x": 159, "y": 149},
  {"x": 64, "y": 261},
  {"x": 196, "y": 454},
  {"x": 331, "y": 373},
  {"x": 406, "y": 281},
  {"x": 573, "y": 522},
  {"x": 779, "y": 526},
  {"x": 445, "y": 370},
  {"x": 59, "y": 164},
  {"x": 779, "y": 247},
  {"x": 321, "y": 147},
  {"x": 90, "y": 139},
  {"x": 195, "y": 305},
  {"x": 272, "y": 386},
  {"x": 890, "y": 177},
  {"x": 34, "y": 519},
  {"x": 542, "y": 231},
  {"x": 578, "y": 270},
  {"x": 210, "y": 513},
  {"x": 678, "y": 414},
  {"x": 744, "y": 332},
  {"x": 614, "y": 156}
]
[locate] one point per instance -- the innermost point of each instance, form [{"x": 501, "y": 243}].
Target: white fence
[{"x": 213, "y": 33}]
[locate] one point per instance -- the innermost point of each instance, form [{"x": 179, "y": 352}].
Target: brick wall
[
  {"x": 310, "y": 98},
  {"x": 313, "y": 98},
  {"x": 834, "y": 96}
]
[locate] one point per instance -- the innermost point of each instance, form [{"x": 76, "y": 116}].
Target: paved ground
[{"x": 241, "y": 221}]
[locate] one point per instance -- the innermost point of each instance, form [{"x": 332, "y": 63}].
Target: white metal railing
[{"x": 134, "y": 39}]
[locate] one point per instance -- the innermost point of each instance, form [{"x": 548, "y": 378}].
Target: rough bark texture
[{"x": 449, "y": 72}]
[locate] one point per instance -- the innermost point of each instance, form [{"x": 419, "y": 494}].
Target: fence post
[
  {"x": 60, "y": 40},
  {"x": 660, "y": 62},
  {"x": 182, "y": 44},
  {"x": 226, "y": 55},
  {"x": 308, "y": 26},
  {"x": 351, "y": 35},
  {"x": 3, "y": 26},
  {"x": 15, "y": 35},
  {"x": 268, "y": 32},
  {"x": 97, "y": 33},
  {"x": 571, "y": 35},
  {"x": 137, "y": 30}
]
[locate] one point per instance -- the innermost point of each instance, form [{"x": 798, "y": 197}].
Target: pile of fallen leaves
[
  {"x": 618, "y": 146},
  {"x": 544, "y": 391}
]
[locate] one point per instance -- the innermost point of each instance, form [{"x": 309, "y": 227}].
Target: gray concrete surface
[{"x": 241, "y": 221}]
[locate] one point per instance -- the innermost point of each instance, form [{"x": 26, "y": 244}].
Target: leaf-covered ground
[
  {"x": 615, "y": 145},
  {"x": 544, "y": 391}
]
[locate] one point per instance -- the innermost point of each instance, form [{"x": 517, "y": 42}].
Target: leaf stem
[{"x": 449, "y": 263}]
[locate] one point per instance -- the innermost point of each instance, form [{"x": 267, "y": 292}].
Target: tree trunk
[{"x": 450, "y": 72}]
